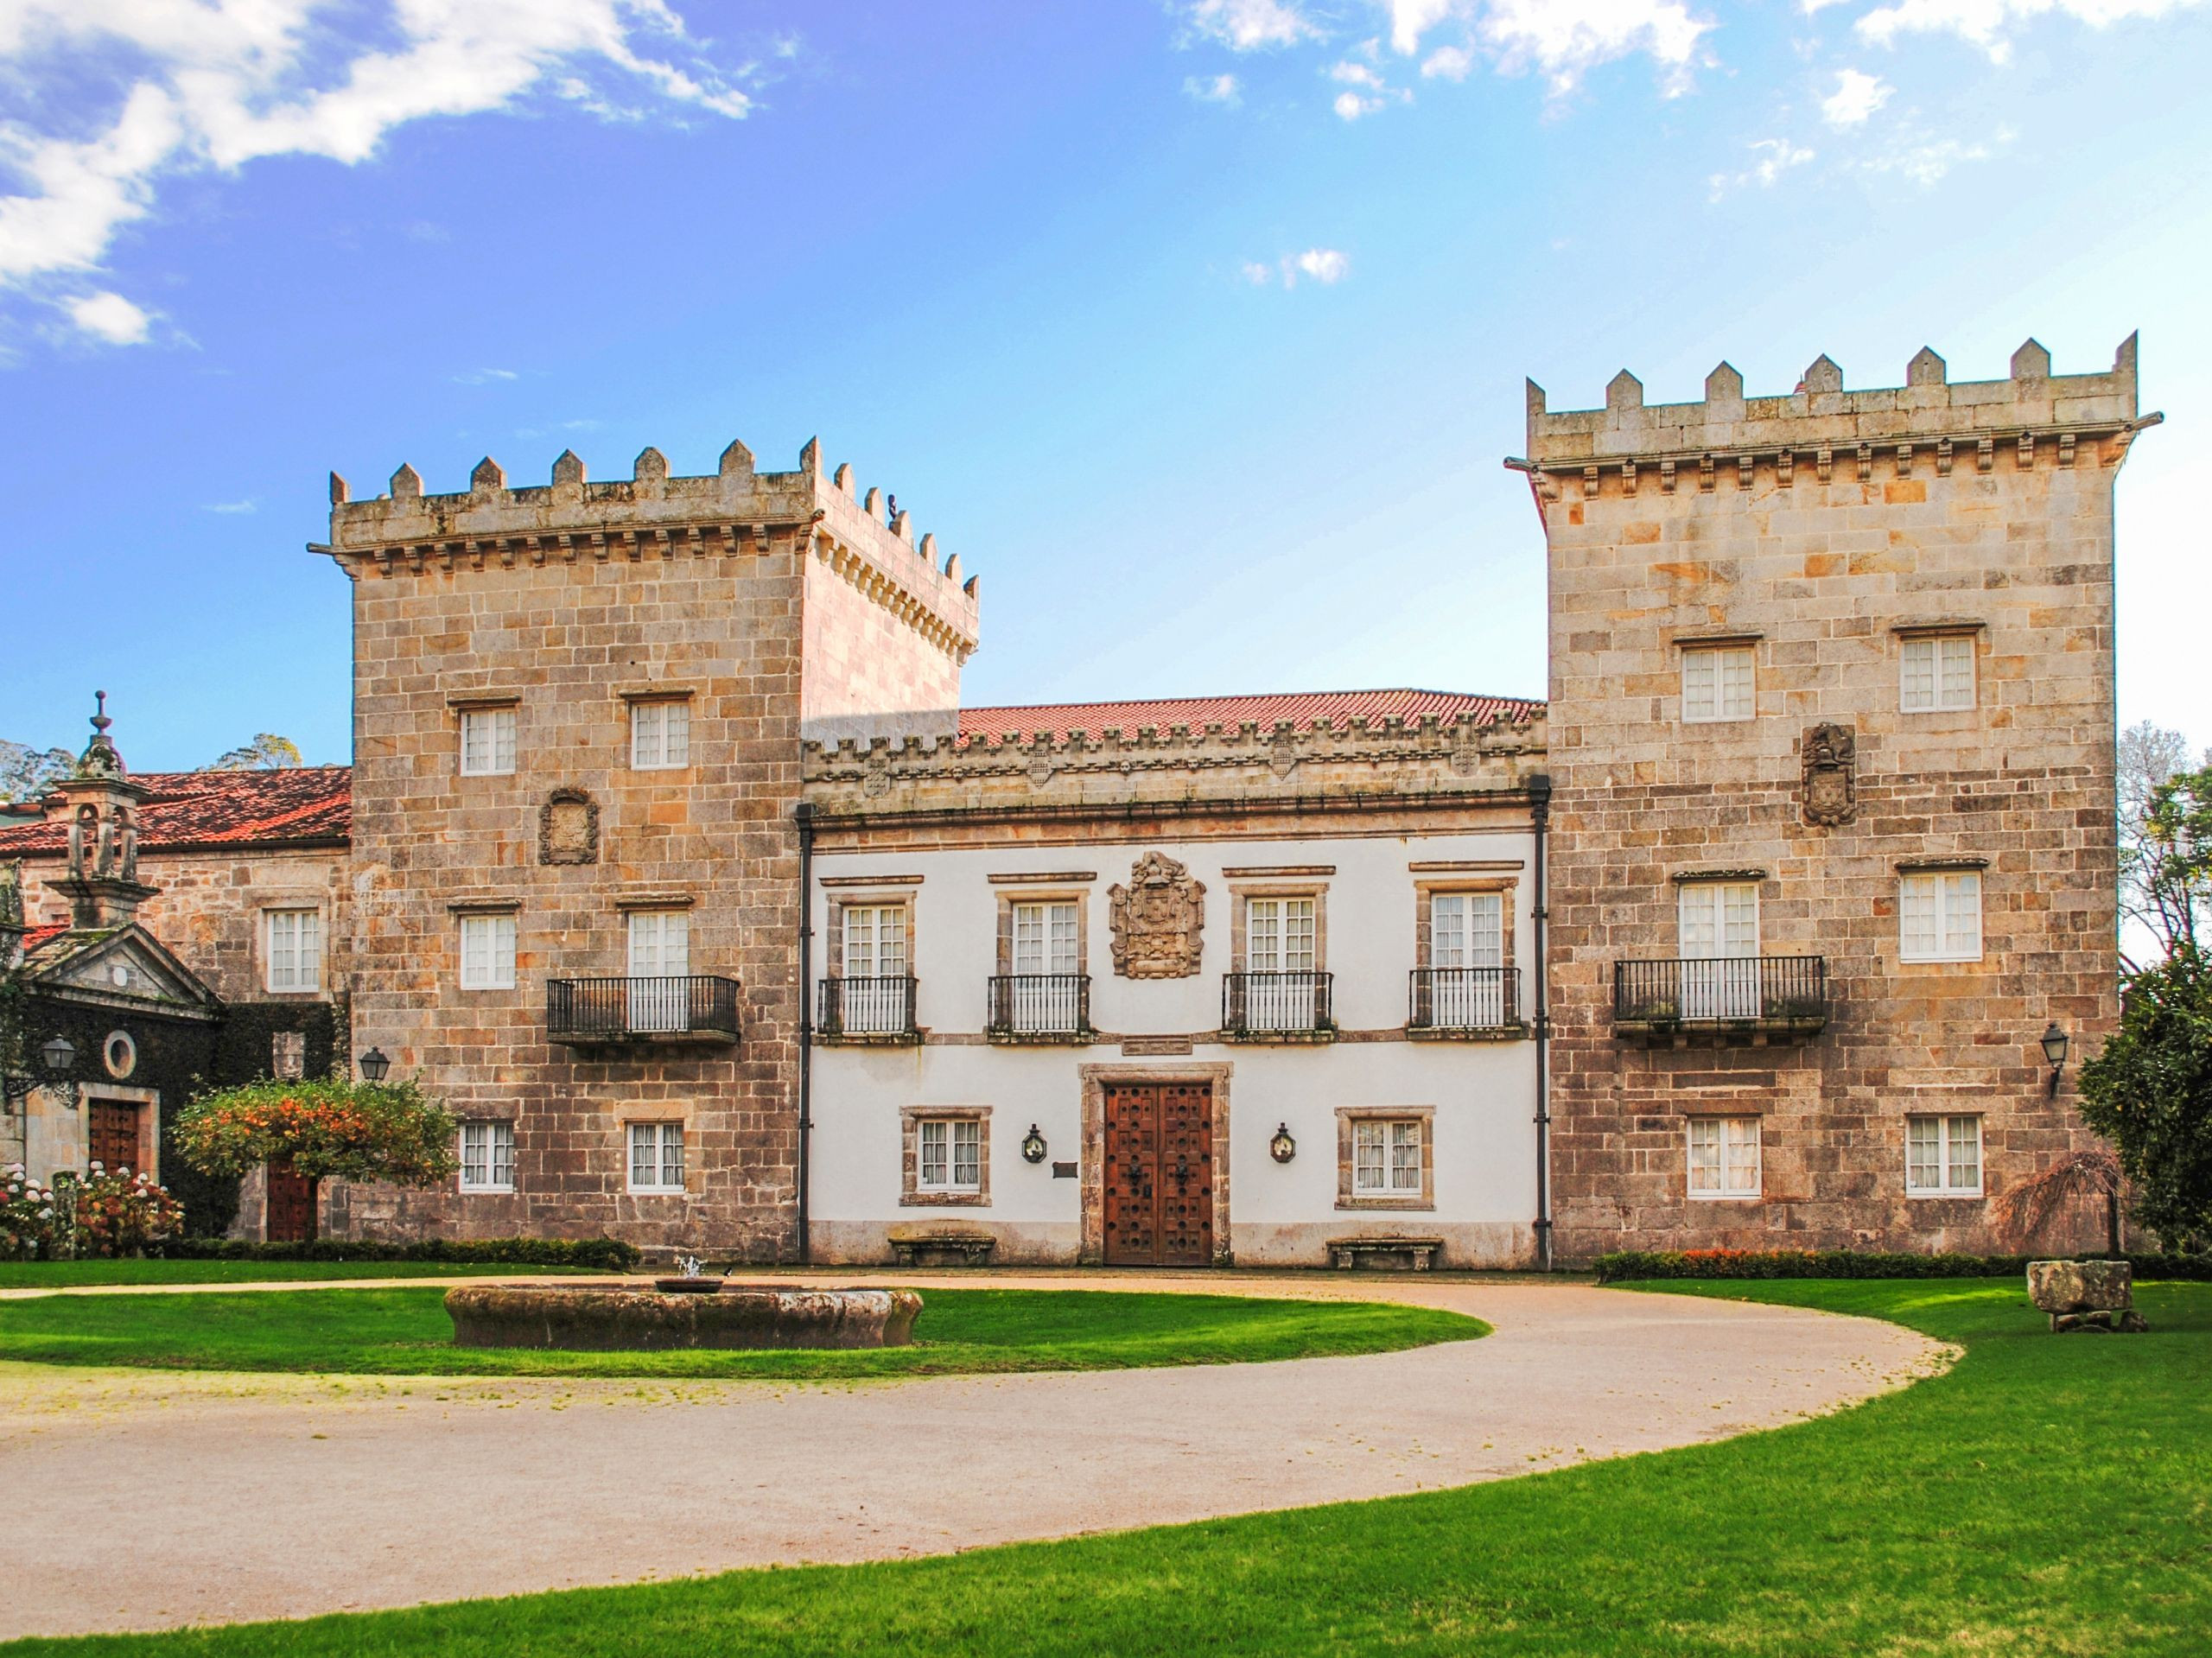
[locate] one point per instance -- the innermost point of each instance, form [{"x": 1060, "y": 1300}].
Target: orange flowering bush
[
  {"x": 357, "y": 1131},
  {"x": 120, "y": 1213}
]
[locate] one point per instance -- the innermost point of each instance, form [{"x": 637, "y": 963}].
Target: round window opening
[{"x": 121, "y": 1054}]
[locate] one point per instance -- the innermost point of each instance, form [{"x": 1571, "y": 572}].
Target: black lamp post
[
  {"x": 1033, "y": 1145},
  {"x": 2055, "y": 1043},
  {"x": 373, "y": 1065},
  {"x": 1282, "y": 1148}
]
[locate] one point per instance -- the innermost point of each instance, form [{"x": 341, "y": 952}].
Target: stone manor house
[{"x": 671, "y": 860}]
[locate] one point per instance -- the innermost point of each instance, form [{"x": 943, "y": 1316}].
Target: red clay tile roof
[
  {"x": 45, "y": 934},
  {"x": 300, "y": 804},
  {"x": 1302, "y": 709}
]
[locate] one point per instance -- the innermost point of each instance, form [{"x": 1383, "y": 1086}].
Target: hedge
[
  {"x": 1625, "y": 1264},
  {"x": 607, "y": 1253}
]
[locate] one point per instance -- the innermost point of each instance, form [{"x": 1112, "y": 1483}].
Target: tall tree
[
  {"x": 2155, "y": 897},
  {"x": 267, "y": 753},
  {"x": 26, "y": 774}
]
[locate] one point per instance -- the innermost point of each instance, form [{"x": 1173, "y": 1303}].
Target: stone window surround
[
  {"x": 910, "y": 1194},
  {"x": 1978, "y": 1192},
  {"x": 1757, "y": 1118},
  {"x": 461, "y": 703},
  {"x": 460, "y": 1175},
  {"x": 150, "y": 1125},
  {"x": 1240, "y": 890},
  {"x": 1721, "y": 639},
  {"x": 679, "y": 1114},
  {"x": 468, "y": 908},
  {"x": 1426, "y": 889},
  {"x": 1963, "y": 864},
  {"x": 1080, "y": 896},
  {"x": 265, "y": 902},
  {"x": 1939, "y": 627},
  {"x": 1094, "y": 1079},
  {"x": 629, "y": 696},
  {"x": 842, "y": 891},
  {"x": 1349, "y": 1115}
]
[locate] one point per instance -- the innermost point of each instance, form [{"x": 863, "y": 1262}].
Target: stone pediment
[{"x": 122, "y": 968}]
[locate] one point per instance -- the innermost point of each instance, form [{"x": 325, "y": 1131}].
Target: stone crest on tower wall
[
  {"x": 1157, "y": 920},
  {"x": 568, "y": 828},
  {"x": 1831, "y": 792}
]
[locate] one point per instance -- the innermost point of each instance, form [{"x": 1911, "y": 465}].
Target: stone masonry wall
[{"x": 1812, "y": 527}]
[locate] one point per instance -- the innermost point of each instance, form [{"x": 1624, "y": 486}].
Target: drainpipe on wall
[
  {"x": 804, "y": 815},
  {"x": 1539, "y": 812}
]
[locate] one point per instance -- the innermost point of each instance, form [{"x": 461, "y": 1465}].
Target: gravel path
[{"x": 167, "y": 1499}]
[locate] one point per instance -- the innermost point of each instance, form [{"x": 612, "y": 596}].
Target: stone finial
[
  {"x": 928, "y": 550},
  {"x": 406, "y": 484},
  {"x": 1535, "y": 398},
  {"x": 952, "y": 567},
  {"x": 873, "y": 503},
  {"x": 2031, "y": 361},
  {"x": 810, "y": 457},
  {"x": 340, "y": 492},
  {"x": 1926, "y": 368},
  {"x": 1623, "y": 390},
  {"x": 737, "y": 461},
  {"x": 843, "y": 476},
  {"x": 100, "y": 759},
  {"x": 487, "y": 477},
  {"x": 567, "y": 469},
  {"x": 1823, "y": 375},
  {"x": 1724, "y": 384},
  {"x": 649, "y": 467}
]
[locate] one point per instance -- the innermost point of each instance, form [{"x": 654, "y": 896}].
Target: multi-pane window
[
  {"x": 660, "y": 956},
  {"x": 487, "y": 1156},
  {"x": 487, "y": 952},
  {"x": 1719, "y": 682},
  {"x": 656, "y": 1157},
  {"x": 1724, "y": 1157},
  {"x": 660, "y": 735},
  {"x": 1045, "y": 939},
  {"x": 949, "y": 1155},
  {"x": 1936, "y": 672},
  {"x": 488, "y": 742},
  {"x": 1279, "y": 935},
  {"x": 1386, "y": 1156},
  {"x": 1942, "y": 1156},
  {"x": 1718, "y": 934},
  {"x": 1939, "y": 916},
  {"x": 294, "y": 952},
  {"x": 1466, "y": 946},
  {"x": 873, "y": 994}
]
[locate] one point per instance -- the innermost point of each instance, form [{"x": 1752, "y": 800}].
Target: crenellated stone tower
[
  {"x": 1814, "y": 657},
  {"x": 572, "y": 629}
]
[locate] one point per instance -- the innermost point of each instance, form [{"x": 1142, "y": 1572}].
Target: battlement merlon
[
  {"x": 1820, "y": 417},
  {"x": 650, "y": 514}
]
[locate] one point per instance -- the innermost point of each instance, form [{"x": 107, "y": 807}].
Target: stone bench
[
  {"x": 2085, "y": 1294},
  {"x": 1393, "y": 1253},
  {"x": 942, "y": 1249}
]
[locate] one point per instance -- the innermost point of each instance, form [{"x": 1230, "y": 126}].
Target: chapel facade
[{"x": 670, "y": 859}]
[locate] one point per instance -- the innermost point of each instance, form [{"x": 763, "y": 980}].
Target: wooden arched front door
[{"x": 1157, "y": 1174}]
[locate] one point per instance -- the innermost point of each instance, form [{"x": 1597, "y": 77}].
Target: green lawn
[
  {"x": 2052, "y": 1495},
  {"x": 73, "y": 1274},
  {"x": 406, "y": 1332}
]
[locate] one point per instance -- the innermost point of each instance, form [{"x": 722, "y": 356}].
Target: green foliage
[
  {"x": 1625, "y": 1265},
  {"x": 160, "y": 1269},
  {"x": 357, "y": 1131},
  {"x": 120, "y": 1213},
  {"x": 28, "y": 773},
  {"x": 604, "y": 1254},
  {"x": 2149, "y": 1093},
  {"x": 267, "y": 753}
]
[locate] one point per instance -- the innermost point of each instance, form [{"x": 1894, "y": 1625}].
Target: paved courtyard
[{"x": 281, "y": 1497}]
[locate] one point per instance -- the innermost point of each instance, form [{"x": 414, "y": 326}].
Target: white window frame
[
  {"x": 1720, "y": 683},
  {"x": 876, "y": 949},
  {"x": 1937, "y": 673},
  {"x": 1047, "y": 937},
  {"x": 292, "y": 949},
  {"x": 662, "y": 1145},
  {"x": 1386, "y": 1155},
  {"x": 487, "y": 1151},
  {"x": 948, "y": 1154},
  {"x": 1950, "y": 902},
  {"x": 488, "y": 951},
  {"x": 1953, "y": 1131},
  {"x": 1282, "y": 935},
  {"x": 660, "y": 734},
  {"x": 1726, "y": 1158},
  {"x": 488, "y": 741}
]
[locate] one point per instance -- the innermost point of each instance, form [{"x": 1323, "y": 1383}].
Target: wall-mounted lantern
[
  {"x": 58, "y": 1055},
  {"x": 1282, "y": 1148},
  {"x": 2055, "y": 1043},
  {"x": 1033, "y": 1145},
  {"x": 374, "y": 1065}
]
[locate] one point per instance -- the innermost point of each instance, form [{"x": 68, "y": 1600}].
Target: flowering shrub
[
  {"x": 356, "y": 1131},
  {"x": 26, "y": 1216},
  {"x": 1625, "y": 1264},
  {"x": 123, "y": 1213}
]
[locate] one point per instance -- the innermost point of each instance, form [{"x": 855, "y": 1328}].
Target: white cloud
[
  {"x": 109, "y": 317},
  {"x": 1324, "y": 265},
  {"x": 1370, "y": 91},
  {"x": 1448, "y": 63},
  {"x": 220, "y": 83},
  {"x": 1251, "y": 25},
  {"x": 1560, "y": 39},
  {"x": 1985, "y": 22},
  {"x": 1213, "y": 89},
  {"x": 1255, "y": 273},
  {"x": 1411, "y": 19},
  {"x": 234, "y": 508},
  {"x": 1924, "y": 162},
  {"x": 485, "y": 375},
  {"x": 1857, "y": 96},
  {"x": 1776, "y": 157}
]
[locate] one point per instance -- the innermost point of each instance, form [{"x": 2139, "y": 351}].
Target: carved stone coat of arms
[
  {"x": 1157, "y": 920},
  {"x": 1831, "y": 763}
]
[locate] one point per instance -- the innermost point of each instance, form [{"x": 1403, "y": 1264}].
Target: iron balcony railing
[
  {"x": 1255, "y": 1004},
  {"x": 1039, "y": 1004},
  {"x": 1464, "y": 998},
  {"x": 882, "y": 1005},
  {"x": 692, "y": 1008},
  {"x": 1754, "y": 993}
]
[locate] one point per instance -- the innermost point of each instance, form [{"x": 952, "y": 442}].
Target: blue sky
[{"x": 1197, "y": 329}]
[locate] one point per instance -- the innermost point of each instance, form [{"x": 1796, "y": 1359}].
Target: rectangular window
[
  {"x": 487, "y": 952},
  {"x": 488, "y": 742},
  {"x": 875, "y": 941},
  {"x": 656, "y": 1157},
  {"x": 1279, "y": 935},
  {"x": 1942, "y": 1157},
  {"x": 294, "y": 952},
  {"x": 1045, "y": 939},
  {"x": 487, "y": 1156},
  {"x": 950, "y": 1154},
  {"x": 660, "y": 736},
  {"x": 1386, "y": 1156},
  {"x": 1935, "y": 672},
  {"x": 1724, "y": 1157},
  {"x": 660, "y": 956},
  {"x": 1718, "y": 941},
  {"x": 1719, "y": 683},
  {"x": 1466, "y": 930},
  {"x": 1939, "y": 916}
]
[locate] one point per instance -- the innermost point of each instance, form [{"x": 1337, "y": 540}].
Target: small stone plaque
[
  {"x": 1138, "y": 1047},
  {"x": 1063, "y": 1171}
]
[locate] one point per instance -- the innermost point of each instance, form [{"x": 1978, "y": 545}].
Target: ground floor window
[
  {"x": 656, "y": 1157},
  {"x": 951, "y": 1154},
  {"x": 1942, "y": 1156},
  {"x": 1724, "y": 1157},
  {"x": 1385, "y": 1158},
  {"x": 487, "y": 1156},
  {"x": 946, "y": 1155}
]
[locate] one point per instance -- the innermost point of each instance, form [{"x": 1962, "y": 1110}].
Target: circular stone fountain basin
[{"x": 619, "y": 1318}]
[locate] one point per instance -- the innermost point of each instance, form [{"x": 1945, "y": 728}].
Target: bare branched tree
[
  {"x": 2022, "y": 1212},
  {"x": 2161, "y": 864}
]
